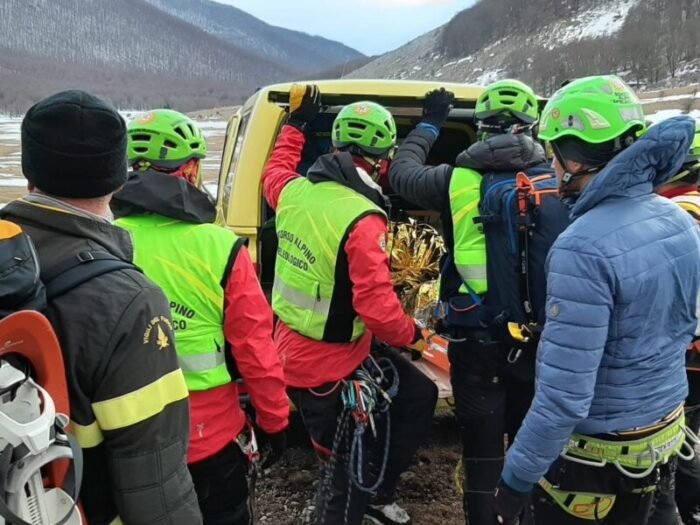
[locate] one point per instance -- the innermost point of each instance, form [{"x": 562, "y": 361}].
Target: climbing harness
[
  {"x": 645, "y": 453},
  {"x": 634, "y": 458},
  {"x": 366, "y": 396}
]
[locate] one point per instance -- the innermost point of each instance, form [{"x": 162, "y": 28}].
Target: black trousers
[
  {"x": 492, "y": 398},
  {"x": 687, "y": 491},
  {"x": 630, "y": 507},
  {"x": 411, "y": 415},
  {"x": 222, "y": 487},
  {"x": 688, "y": 475},
  {"x": 687, "y": 487}
]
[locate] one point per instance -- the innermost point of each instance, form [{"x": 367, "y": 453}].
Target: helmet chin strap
[{"x": 570, "y": 175}]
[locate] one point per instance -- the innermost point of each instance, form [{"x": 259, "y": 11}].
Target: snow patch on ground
[
  {"x": 10, "y": 130},
  {"x": 600, "y": 21},
  {"x": 664, "y": 114},
  {"x": 488, "y": 76},
  {"x": 10, "y": 181},
  {"x": 212, "y": 188},
  {"x": 670, "y": 97}
]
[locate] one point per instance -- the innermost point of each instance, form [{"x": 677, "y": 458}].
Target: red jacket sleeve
[
  {"x": 373, "y": 295},
  {"x": 283, "y": 162},
  {"x": 248, "y": 328}
]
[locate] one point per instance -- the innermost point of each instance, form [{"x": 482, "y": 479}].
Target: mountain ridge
[
  {"x": 299, "y": 50},
  {"x": 131, "y": 52},
  {"x": 545, "y": 42}
]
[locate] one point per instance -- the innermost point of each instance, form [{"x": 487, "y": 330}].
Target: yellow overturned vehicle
[{"x": 251, "y": 134}]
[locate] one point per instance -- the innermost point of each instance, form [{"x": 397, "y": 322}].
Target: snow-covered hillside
[
  {"x": 599, "y": 21},
  {"x": 586, "y": 41}
]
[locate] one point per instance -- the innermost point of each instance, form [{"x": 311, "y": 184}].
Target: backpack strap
[
  {"x": 524, "y": 189},
  {"x": 82, "y": 267}
]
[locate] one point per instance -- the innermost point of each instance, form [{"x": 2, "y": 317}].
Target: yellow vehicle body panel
[{"x": 240, "y": 178}]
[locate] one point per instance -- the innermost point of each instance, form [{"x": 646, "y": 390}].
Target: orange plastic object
[{"x": 436, "y": 353}]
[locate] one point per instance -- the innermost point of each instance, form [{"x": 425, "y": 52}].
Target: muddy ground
[{"x": 427, "y": 490}]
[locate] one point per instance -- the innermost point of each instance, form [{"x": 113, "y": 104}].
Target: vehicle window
[
  {"x": 228, "y": 184},
  {"x": 453, "y": 139}
]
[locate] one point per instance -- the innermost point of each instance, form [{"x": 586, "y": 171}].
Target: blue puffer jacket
[{"x": 622, "y": 286}]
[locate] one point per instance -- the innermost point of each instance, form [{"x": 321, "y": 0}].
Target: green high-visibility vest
[
  {"x": 469, "y": 240},
  {"x": 312, "y": 223},
  {"x": 189, "y": 261}
]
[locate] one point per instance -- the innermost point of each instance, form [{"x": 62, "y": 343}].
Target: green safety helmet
[
  {"x": 365, "y": 126},
  {"x": 593, "y": 109},
  {"x": 165, "y": 138},
  {"x": 507, "y": 97}
]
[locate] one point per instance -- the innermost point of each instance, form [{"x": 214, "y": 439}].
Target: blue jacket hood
[{"x": 647, "y": 163}]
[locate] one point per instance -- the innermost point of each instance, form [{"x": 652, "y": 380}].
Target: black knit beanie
[{"x": 74, "y": 146}]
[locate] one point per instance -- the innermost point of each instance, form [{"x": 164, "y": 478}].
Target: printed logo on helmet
[
  {"x": 362, "y": 109},
  {"x": 556, "y": 114},
  {"x": 618, "y": 86},
  {"x": 146, "y": 118}
]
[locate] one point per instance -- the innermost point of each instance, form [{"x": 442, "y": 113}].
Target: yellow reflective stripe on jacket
[
  {"x": 469, "y": 241},
  {"x": 88, "y": 436},
  {"x": 116, "y": 521},
  {"x": 141, "y": 404}
]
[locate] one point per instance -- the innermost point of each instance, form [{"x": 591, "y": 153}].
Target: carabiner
[
  {"x": 640, "y": 475},
  {"x": 582, "y": 461},
  {"x": 518, "y": 352}
]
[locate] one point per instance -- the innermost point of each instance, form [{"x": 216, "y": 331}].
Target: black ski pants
[
  {"x": 633, "y": 505},
  {"x": 490, "y": 404},
  {"x": 411, "y": 414},
  {"x": 222, "y": 487}
]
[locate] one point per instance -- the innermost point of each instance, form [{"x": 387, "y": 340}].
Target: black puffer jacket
[
  {"x": 429, "y": 186},
  {"x": 128, "y": 399}
]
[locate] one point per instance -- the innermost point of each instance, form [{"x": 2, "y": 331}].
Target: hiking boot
[{"x": 390, "y": 514}]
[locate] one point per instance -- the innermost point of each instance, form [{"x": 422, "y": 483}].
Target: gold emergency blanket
[{"x": 415, "y": 250}]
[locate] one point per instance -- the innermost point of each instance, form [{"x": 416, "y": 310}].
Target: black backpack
[
  {"x": 21, "y": 287},
  {"x": 522, "y": 216}
]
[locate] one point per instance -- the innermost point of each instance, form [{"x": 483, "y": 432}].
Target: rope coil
[{"x": 368, "y": 393}]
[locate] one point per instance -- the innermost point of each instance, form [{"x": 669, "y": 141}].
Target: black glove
[
  {"x": 273, "y": 449},
  {"x": 418, "y": 345},
  {"x": 508, "y": 504},
  {"x": 304, "y": 105},
  {"x": 436, "y": 106}
]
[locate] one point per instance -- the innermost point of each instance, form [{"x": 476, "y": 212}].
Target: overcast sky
[{"x": 370, "y": 26}]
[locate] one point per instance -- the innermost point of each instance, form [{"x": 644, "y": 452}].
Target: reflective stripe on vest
[
  {"x": 469, "y": 240},
  {"x": 188, "y": 262},
  {"x": 312, "y": 225},
  {"x": 299, "y": 299}
]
